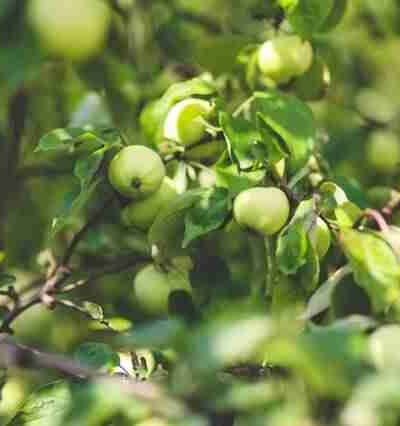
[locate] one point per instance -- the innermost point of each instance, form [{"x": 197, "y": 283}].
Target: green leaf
[
  {"x": 291, "y": 253},
  {"x": 292, "y": 120},
  {"x": 241, "y": 136},
  {"x": 74, "y": 203},
  {"x": 87, "y": 166},
  {"x": 236, "y": 181},
  {"x": 45, "y": 407},
  {"x": 375, "y": 266},
  {"x": 79, "y": 139},
  {"x": 168, "y": 229},
  {"x": 94, "y": 310},
  {"x": 7, "y": 279},
  {"x": 97, "y": 356},
  {"x": 308, "y": 16},
  {"x": 207, "y": 214},
  {"x": 153, "y": 116}
]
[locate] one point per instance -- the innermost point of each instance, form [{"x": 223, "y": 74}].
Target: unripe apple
[
  {"x": 152, "y": 288},
  {"x": 142, "y": 213},
  {"x": 285, "y": 57},
  {"x": 383, "y": 152},
  {"x": 136, "y": 171},
  {"x": 72, "y": 29},
  {"x": 184, "y": 123},
  {"x": 320, "y": 237},
  {"x": 264, "y": 210},
  {"x": 383, "y": 346}
]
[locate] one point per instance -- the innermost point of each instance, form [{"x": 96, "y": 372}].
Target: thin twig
[{"x": 14, "y": 354}]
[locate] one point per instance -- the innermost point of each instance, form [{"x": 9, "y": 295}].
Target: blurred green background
[{"x": 152, "y": 44}]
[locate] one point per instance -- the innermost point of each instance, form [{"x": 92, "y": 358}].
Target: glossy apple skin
[
  {"x": 72, "y": 29},
  {"x": 284, "y": 57},
  {"x": 141, "y": 213},
  {"x": 265, "y": 210},
  {"x": 136, "y": 171},
  {"x": 184, "y": 124},
  {"x": 383, "y": 152}
]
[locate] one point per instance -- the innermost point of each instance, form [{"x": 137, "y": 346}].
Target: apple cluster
[{"x": 140, "y": 175}]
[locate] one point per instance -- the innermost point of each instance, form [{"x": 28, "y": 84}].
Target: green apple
[
  {"x": 184, "y": 122},
  {"x": 141, "y": 213},
  {"x": 320, "y": 237},
  {"x": 72, "y": 29},
  {"x": 265, "y": 210},
  {"x": 152, "y": 287},
  {"x": 284, "y": 57},
  {"x": 384, "y": 347},
  {"x": 383, "y": 152},
  {"x": 136, "y": 171},
  {"x": 207, "y": 152}
]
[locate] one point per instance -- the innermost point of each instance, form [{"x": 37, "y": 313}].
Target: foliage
[{"x": 161, "y": 290}]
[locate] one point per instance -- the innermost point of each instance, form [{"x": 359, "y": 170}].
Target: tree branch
[{"x": 14, "y": 354}]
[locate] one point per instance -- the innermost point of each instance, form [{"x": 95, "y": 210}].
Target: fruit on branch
[
  {"x": 73, "y": 29},
  {"x": 136, "y": 171},
  {"x": 141, "y": 213},
  {"x": 152, "y": 288},
  {"x": 208, "y": 152},
  {"x": 284, "y": 57},
  {"x": 383, "y": 151},
  {"x": 320, "y": 237},
  {"x": 185, "y": 121},
  {"x": 264, "y": 210}
]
